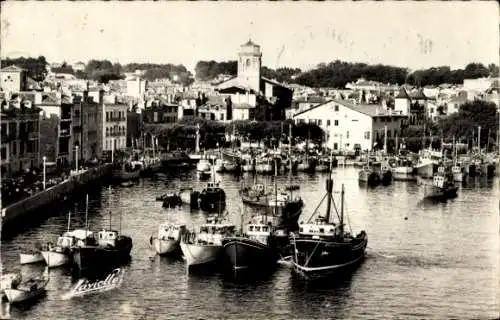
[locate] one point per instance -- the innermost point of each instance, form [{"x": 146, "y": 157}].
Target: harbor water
[{"x": 425, "y": 260}]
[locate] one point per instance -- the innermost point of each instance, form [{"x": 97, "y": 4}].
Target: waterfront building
[
  {"x": 12, "y": 79},
  {"x": 114, "y": 124},
  {"x": 56, "y": 141},
  {"x": 254, "y": 97},
  {"x": 351, "y": 127},
  {"x": 87, "y": 125},
  {"x": 20, "y": 136}
]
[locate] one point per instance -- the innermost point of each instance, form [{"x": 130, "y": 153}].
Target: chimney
[{"x": 85, "y": 95}]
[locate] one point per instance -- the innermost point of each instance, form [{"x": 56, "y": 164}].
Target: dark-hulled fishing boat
[
  {"x": 110, "y": 249},
  {"x": 255, "y": 248},
  {"x": 211, "y": 199},
  {"x": 443, "y": 186},
  {"x": 323, "y": 248}
]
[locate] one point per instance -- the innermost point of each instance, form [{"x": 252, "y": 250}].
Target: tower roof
[
  {"x": 402, "y": 94},
  {"x": 419, "y": 95},
  {"x": 250, "y": 43}
]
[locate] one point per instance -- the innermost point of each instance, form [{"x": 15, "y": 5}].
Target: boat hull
[
  {"x": 95, "y": 257},
  {"x": 425, "y": 171},
  {"x": 120, "y": 175},
  {"x": 369, "y": 177},
  {"x": 164, "y": 247},
  {"x": 198, "y": 254},
  {"x": 55, "y": 259},
  {"x": 403, "y": 174},
  {"x": 36, "y": 289},
  {"x": 27, "y": 258},
  {"x": 442, "y": 194},
  {"x": 318, "y": 258},
  {"x": 244, "y": 253}
]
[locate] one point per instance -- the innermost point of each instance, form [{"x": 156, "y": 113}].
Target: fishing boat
[
  {"x": 105, "y": 248},
  {"x": 168, "y": 238},
  {"x": 385, "y": 174},
  {"x": 264, "y": 165},
  {"x": 219, "y": 165},
  {"x": 402, "y": 170},
  {"x": 12, "y": 285},
  {"x": 205, "y": 246},
  {"x": 27, "y": 290},
  {"x": 211, "y": 199},
  {"x": 60, "y": 254},
  {"x": 247, "y": 163},
  {"x": 443, "y": 186},
  {"x": 32, "y": 256},
  {"x": 369, "y": 176},
  {"x": 255, "y": 248},
  {"x": 126, "y": 171},
  {"x": 427, "y": 160},
  {"x": 322, "y": 248},
  {"x": 256, "y": 195},
  {"x": 203, "y": 166},
  {"x": 230, "y": 166}
]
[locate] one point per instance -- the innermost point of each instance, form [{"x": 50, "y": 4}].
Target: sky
[{"x": 294, "y": 34}]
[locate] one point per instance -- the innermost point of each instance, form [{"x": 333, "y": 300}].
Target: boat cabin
[
  {"x": 171, "y": 230},
  {"x": 71, "y": 238},
  {"x": 319, "y": 229},
  {"x": 213, "y": 228},
  {"x": 107, "y": 238},
  {"x": 258, "y": 187},
  {"x": 212, "y": 186},
  {"x": 259, "y": 232}
]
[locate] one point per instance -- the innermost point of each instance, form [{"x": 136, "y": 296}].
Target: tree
[
  {"x": 493, "y": 69},
  {"x": 464, "y": 124},
  {"x": 35, "y": 67}
]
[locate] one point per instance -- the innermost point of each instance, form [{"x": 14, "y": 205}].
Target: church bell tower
[{"x": 249, "y": 64}]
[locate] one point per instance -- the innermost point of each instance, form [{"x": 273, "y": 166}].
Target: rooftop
[
  {"x": 371, "y": 110},
  {"x": 12, "y": 68}
]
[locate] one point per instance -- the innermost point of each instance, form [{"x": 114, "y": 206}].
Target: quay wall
[{"x": 27, "y": 208}]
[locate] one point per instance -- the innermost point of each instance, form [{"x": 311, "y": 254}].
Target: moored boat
[
  {"x": 205, "y": 246},
  {"x": 60, "y": 254},
  {"x": 443, "y": 186},
  {"x": 369, "y": 176},
  {"x": 211, "y": 199},
  {"x": 126, "y": 171},
  {"x": 256, "y": 195},
  {"x": 253, "y": 249},
  {"x": 110, "y": 248},
  {"x": 323, "y": 248},
  {"x": 27, "y": 290},
  {"x": 33, "y": 256},
  {"x": 168, "y": 238}
]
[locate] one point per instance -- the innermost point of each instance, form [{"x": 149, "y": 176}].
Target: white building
[
  {"x": 349, "y": 127},
  {"x": 114, "y": 133}
]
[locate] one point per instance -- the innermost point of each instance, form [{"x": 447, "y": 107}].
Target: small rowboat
[{"x": 30, "y": 257}]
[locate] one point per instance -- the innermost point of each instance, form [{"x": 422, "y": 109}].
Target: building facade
[
  {"x": 87, "y": 126},
  {"x": 350, "y": 127},
  {"x": 20, "y": 137},
  {"x": 114, "y": 124},
  {"x": 12, "y": 79}
]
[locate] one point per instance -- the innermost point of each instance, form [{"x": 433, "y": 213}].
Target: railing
[{"x": 116, "y": 119}]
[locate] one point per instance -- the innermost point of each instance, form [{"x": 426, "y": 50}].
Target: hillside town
[{"x": 64, "y": 118}]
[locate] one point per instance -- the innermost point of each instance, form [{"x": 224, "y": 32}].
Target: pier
[{"x": 29, "y": 207}]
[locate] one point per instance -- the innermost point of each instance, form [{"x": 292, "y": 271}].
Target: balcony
[
  {"x": 116, "y": 119},
  {"x": 116, "y": 134}
]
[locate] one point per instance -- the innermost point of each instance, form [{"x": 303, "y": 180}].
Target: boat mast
[
  {"x": 109, "y": 201},
  {"x": 329, "y": 187},
  {"x": 86, "y": 214},
  {"x": 1, "y": 224},
  {"x": 275, "y": 188},
  {"x": 290, "y": 158},
  {"x": 69, "y": 219},
  {"x": 342, "y": 212}
]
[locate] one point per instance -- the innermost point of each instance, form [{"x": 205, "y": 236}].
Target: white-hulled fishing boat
[
  {"x": 168, "y": 238},
  {"x": 33, "y": 256},
  {"x": 60, "y": 254},
  {"x": 204, "y": 246}
]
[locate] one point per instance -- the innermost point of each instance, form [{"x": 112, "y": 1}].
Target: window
[
  {"x": 336, "y": 107},
  {"x": 155, "y": 116},
  {"x": 336, "y": 122},
  {"x": 14, "y": 148},
  {"x": 107, "y": 132},
  {"x": 222, "y": 116},
  {"x": 367, "y": 135},
  {"x": 347, "y": 134},
  {"x": 319, "y": 122},
  {"x": 107, "y": 116},
  {"x": 327, "y": 123},
  {"x": 388, "y": 133},
  {"x": 4, "y": 153},
  {"x": 335, "y": 146}
]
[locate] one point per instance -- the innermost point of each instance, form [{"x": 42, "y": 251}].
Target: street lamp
[
  {"x": 44, "y": 163},
  {"x": 76, "y": 157}
]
